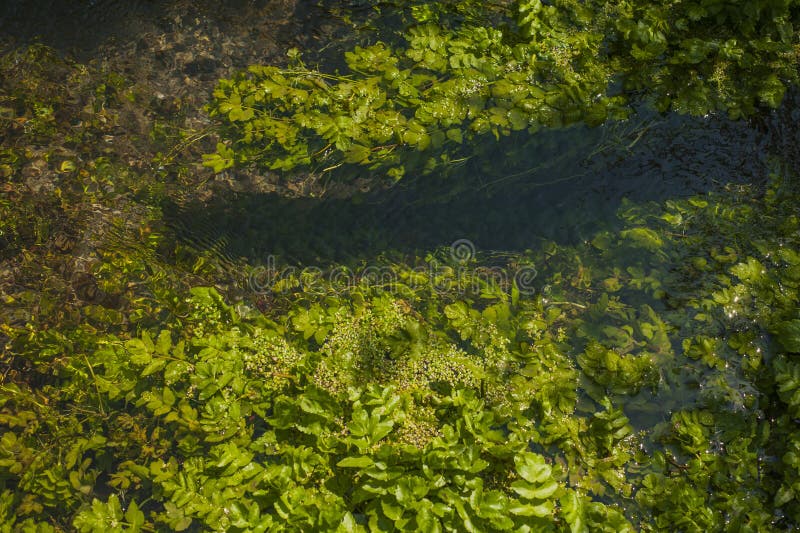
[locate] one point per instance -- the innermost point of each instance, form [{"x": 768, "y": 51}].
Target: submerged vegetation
[
  {"x": 646, "y": 379},
  {"x": 417, "y": 102}
]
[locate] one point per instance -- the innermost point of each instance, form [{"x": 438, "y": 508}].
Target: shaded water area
[
  {"x": 563, "y": 186},
  {"x": 556, "y": 185},
  {"x": 84, "y": 28}
]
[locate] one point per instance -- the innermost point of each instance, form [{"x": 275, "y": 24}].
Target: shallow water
[
  {"x": 81, "y": 27},
  {"x": 556, "y": 185},
  {"x": 562, "y": 186},
  {"x": 510, "y": 195}
]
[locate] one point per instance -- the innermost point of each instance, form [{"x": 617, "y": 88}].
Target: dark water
[
  {"x": 80, "y": 27},
  {"x": 557, "y": 185}
]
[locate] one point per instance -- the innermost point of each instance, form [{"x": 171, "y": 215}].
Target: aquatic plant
[
  {"x": 648, "y": 380},
  {"x": 640, "y": 391},
  {"x": 415, "y": 103}
]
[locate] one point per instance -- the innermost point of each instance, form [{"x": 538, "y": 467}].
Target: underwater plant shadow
[{"x": 557, "y": 185}]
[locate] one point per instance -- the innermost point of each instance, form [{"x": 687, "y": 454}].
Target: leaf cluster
[{"x": 415, "y": 105}]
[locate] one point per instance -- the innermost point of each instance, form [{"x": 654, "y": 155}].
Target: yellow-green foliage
[
  {"x": 411, "y": 105},
  {"x": 653, "y": 386}
]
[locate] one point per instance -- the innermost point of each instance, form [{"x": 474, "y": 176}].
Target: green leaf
[
  {"x": 139, "y": 352},
  {"x": 153, "y": 367},
  {"x": 349, "y": 524},
  {"x": 772, "y": 91},
  {"x": 455, "y": 135},
  {"x": 788, "y": 335},
  {"x": 361, "y": 461},
  {"x": 643, "y": 238},
  {"x": 101, "y": 516},
  {"x": 532, "y": 467},
  {"x": 573, "y": 510},
  {"x": 134, "y": 516},
  {"x": 357, "y": 154},
  {"x": 532, "y": 491},
  {"x": 390, "y": 508},
  {"x": 540, "y": 510},
  {"x": 163, "y": 343},
  {"x": 221, "y": 160}
]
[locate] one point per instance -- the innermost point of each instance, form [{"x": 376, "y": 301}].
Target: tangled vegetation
[
  {"x": 651, "y": 382},
  {"x": 654, "y": 386},
  {"x": 417, "y": 102}
]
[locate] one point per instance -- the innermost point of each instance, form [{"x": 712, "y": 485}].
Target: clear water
[
  {"x": 83, "y": 27},
  {"x": 556, "y": 185},
  {"x": 562, "y": 186}
]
